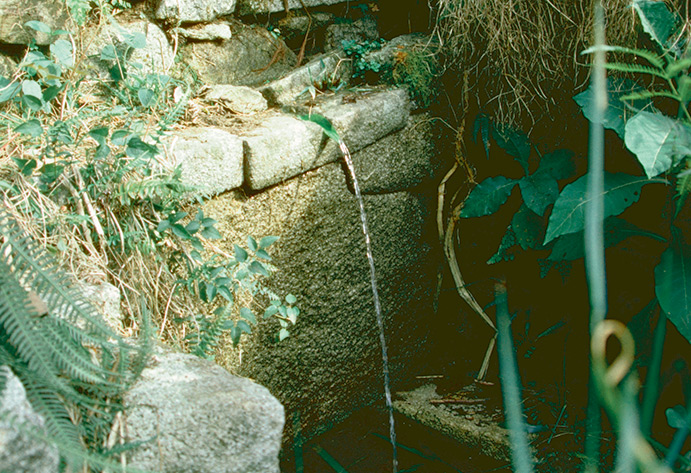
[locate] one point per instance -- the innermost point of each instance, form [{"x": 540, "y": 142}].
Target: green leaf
[
  {"x": 252, "y": 244},
  {"x": 267, "y": 241},
  {"x": 51, "y": 92},
  {"x": 38, "y": 26},
  {"x": 30, "y": 127},
  {"x": 291, "y": 299},
  {"x": 487, "y": 197},
  {"x": 100, "y": 134},
  {"x": 656, "y": 19},
  {"x": 244, "y": 326},
  {"x": 292, "y": 314},
  {"x": 8, "y": 89},
  {"x": 673, "y": 288},
  {"x": 323, "y": 122},
  {"x": 616, "y": 114},
  {"x": 283, "y": 334},
  {"x": 258, "y": 268},
  {"x": 568, "y": 215},
  {"x": 271, "y": 310},
  {"x": 134, "y": 39},
  {"x": 193, "y": 227},
  {"x": 677, "y": 417},
  {"x": 210, "y": 233},
  {"x": 32, "y": 102},
  {"x": 62, "y": 52},
  {"x": 32, "y": 89},
  {"x": 263, "y": 254},
  {"x": 514, "y": 142},
  {"x": 659, "y": 142},
  {"x": 225, "y": 293},
  {"x": 528, "y": 228},
  {"x": 248, "y": 315},
  {"x": 539, "y": 191},
  {"x": 240, "y": 254},
  {"x": 136, "y": 148},
  {"x": 558, "y": 164},
  {"x": 109, "y": 53},
  {"x": 145, "y": 96},
  {"x": 26, "y": 166}
]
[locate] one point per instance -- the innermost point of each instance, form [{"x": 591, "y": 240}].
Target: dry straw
[{"x": 522, "y": 56}]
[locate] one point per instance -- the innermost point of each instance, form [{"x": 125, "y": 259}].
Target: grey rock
[
  {"x": 296, "y": 24},
  {"x": 190, "y": 11},
  {"x": 329, "y": 70},
  {"x": 284, "y": 146},
  {"x": 7, "y": 66},
  {"x": 362, "y": 29},
  {"x": 331, "y": 362},
  {"x": 237, "y": 98},
  {"x": 19, "y": 452},
  {"x": 251, "y": 57},
  {"x": 362, "y": 119},
  {"x": 196, "y": 417},
  {"x": 156, "y": 57},
  {"x": 280, "y": 148},
  {"x": 247, "y": 7},
  {"x": 105, "y": 298},
  {"x": 387, "y": 54},
  {"x": 209, "y": 32},
  {"x": 15, "y": 13},
  {"x": 210, "y": 159},
  {"x": 399, "y": 161}
]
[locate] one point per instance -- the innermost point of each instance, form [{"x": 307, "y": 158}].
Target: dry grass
[{"x": 520, "y": 53}]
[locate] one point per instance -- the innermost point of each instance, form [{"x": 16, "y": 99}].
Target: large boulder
[
  {"x": 15, "y": 13},
  {"x": 252, "y": 56},
  {"x": 191, "y": 11},
  {"x": 331, "y": 364},
  {"x": 247, "y": 7},
  {"x": 21, "y": 452},
  {"x": 194, "y": 417}
]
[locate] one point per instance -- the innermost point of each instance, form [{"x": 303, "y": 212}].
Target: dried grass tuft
[{"x": 518, "y": 53}]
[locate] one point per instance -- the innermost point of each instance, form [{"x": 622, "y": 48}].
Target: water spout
[{"x": 375, "y": 296}]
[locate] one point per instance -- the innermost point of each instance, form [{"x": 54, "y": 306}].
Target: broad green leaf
[
  {"x": 244, "y": 326},
  {"x": 38, "y": 26},
  {"x": 193, "y": 227},
  {"x": 482, "y": 126},
  {"x": 252, "y": 244},
  {"x": 30, "y": 127},
  {"x": 616, "y": 114},
  {"x": 528, "y": 228},
  {"x": 62, "y": 52},
  {"x": 26, "y": 166},
  {"x": 678, "y": 418},
  {"x": 323, "y": 122},
  {"x": 32, "y": 89},
  {"x": 8, "y": 89},
  {"x": 100, "y": 134},
  {"x": 487, "y": 197},
  {"x": 136, "y": 148},
  {"x": 659, "y": 142},
  {"x": 539, "y": 191},
  {"x": 271, "y": 310},
  {"x": 568, "y": 215},
  {"x": 571, "y": 246},
  {"x": 32, "y": 102},
  {"x": 656, "y": 19},
  {"x": 283, "y": 334},
  {"x": 240, "y": 254},
  {"x": 558, "y": 164},
  {"x": 248, "y": 315},
  {"x": 514, "y": 142},
  {"x": 51, "y": 92},
  {"x": 258, "y": 268},
  {"x": 134, "y": 39},
  {"x": 109, "y": 53},
  {"x": 291, "y": 299},
  {"x": 210, "y": 233},
  {"x": 673, "y": 288},
  {"x": 145, "y": 96},
  {"x": 120, "y": 137},
  {"x": 261, "y": 253},
  {"x": 267, "y": 241},
  {"x": 292, "y": 314}
]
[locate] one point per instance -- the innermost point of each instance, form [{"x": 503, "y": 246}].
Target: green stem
[{"x": 652, "y": 379}]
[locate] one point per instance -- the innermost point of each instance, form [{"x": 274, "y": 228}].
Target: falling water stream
[{"x": 375, "y": 296}]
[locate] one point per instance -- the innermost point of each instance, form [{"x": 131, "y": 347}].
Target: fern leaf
[
  {"x": 649, "y": 56},
  {"x": 635, "y": 69},
  {"x": 649, "y": 94}
]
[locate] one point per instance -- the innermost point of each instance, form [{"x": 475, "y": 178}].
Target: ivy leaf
[
  {"x": 539, "y": 191},
  {"x": 659, "y": 142},
  {"x": 487, "y": 196},
  {"x": 673, "y": 288},
  {"x": 568, "y": 215}
]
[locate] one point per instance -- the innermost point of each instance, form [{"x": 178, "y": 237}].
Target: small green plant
[{"x": 358, "y": 52}]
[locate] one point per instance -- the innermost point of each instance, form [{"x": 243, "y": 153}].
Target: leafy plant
[
  {"x": 358, "y": 52},
  {"x": 73, "y": 366}
]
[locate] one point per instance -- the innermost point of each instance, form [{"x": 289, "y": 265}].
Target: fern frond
[
  {"x": 649, "y": 94},
  {"x": 175, "y": 113},
  {"x": 635, "y": 69},
  {"x": 649, "y": 56}
]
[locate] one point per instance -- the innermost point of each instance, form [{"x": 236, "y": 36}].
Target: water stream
[{"x": 377, "y": 304}]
